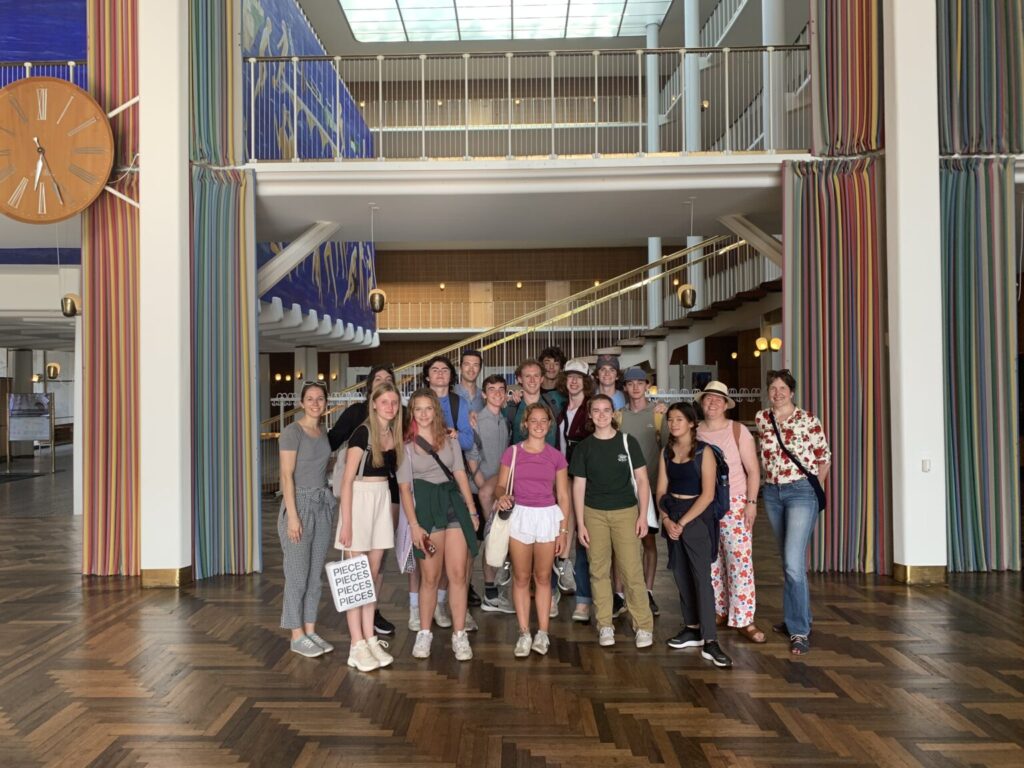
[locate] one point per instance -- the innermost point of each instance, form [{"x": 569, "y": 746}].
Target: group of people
[{"x": 573, "y": 465}]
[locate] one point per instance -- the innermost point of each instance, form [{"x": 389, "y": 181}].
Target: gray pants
[{"x": 304, "y": 561}]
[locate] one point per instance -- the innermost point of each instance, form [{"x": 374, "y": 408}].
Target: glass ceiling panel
[{"x": 412, "y": 20}]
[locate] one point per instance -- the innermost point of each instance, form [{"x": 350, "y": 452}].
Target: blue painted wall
[{"x": 42, "y": 30}]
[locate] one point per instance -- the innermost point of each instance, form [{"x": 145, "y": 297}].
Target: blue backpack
[{"x": 721, "y": 501}]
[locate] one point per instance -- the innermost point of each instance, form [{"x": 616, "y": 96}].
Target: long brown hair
[
  {"x": 437, "y": 426},
  {"x": 394, "y": 426},
  {"x": 690, "y": 414}
]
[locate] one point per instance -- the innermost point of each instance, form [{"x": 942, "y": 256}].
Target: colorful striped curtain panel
[
  {"x": 835, "y": 324},
  {"x": 212, "y": 52},
  {"x": 110, "y": 320},
  {"x": 846, "y": 67},
  {"x": 981, "y": 76},
  {"x": 979, "y": 312}
]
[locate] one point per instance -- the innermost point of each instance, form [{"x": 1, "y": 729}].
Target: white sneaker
[
  {"x": 606, "y": 636},
  {"x": 377, "y": 648},
  {"x": 523, "y": 645},
  {"x": 471, "y": 625},
  {"x": 306, "y": 647},
  {"x": 421, "y": 648},
  {"x": 442, "y": 615},
  {"x": 500, "y": 604},
  {"x": 541, "y": 643},
  {"x": 566, "y": 575},
  {"x": 414, "y": 618},
  {"x": 556, "y": 596},
  {"x": 361, "y": 658},
  {"x": 644, "y": 639},
  {"x": 460, "y": 644},
  {"x": 327, "y": 647}
]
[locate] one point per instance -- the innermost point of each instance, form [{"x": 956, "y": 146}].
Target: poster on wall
[{"x": 29, "y": 417}]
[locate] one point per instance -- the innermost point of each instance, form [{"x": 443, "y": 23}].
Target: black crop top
[
  {"x": 359, "y": 439},
  {"x": 683, "y": 479}
]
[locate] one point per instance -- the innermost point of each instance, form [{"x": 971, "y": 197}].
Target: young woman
[
  {"x": 573, "y": 429},
  {"x": 365, "y": 527},
  {"x": 789, "y": 498},
  {"x": 538, "y": 496},
  {"x": 611, "y": 518},
  {"x": 686, "y": 488},
  {"x": 441, "y": 515},
  {"x": 306, "y": 522},
  {"x": 732, "y": 572}
]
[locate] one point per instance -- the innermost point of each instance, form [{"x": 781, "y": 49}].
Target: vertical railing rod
[
  {"x": 639, "y": 102},
  {"x": 769, "y": 130},
  {"x": 508, "y": 59},
  {"x": 295, "y": 109},
  {"x": 728, "y": 111},
  {"x": 465, "y": 111},
  {"x": 380, "y": 107},
  {"x": 597, "y": 103},
  {"x": 337, "y": 107},
  {"x": 252, "y": 110},
  {"x": 551, "y": 57},
  {"x": 423, "y": 106},
  {"x": 71, "y": 71},
  {"x": 682, "y": 96}
]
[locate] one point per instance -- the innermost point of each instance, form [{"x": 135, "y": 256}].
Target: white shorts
[
  {"x": 535, "y": 525},
  {"x": 372, "y": 527}
]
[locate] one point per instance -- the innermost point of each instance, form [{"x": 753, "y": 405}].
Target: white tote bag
[
  {"x": 496, "y": 544},
  {"x": 351, "y": 582},
  {"x": 652, "y": 513}
]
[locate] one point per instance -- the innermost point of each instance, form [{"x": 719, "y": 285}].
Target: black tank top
[{"x": 683, "y": 479}]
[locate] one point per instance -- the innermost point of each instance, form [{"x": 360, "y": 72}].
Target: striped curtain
[
  {"x": 981, "y": 76},
  {"x": 979, "y": 309},
  {"x": 846, "y": 65},
  {"x": 225, "y": 497},
  {"x": 212, "y": 49},
  {"x": 835, "y": 323},
  {"x": 110, "y": 321}
]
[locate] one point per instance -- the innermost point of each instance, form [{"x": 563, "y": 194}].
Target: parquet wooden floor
[{"x": 97, "y": 672}]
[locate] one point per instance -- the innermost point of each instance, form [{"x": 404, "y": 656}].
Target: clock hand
[
  {"x": 42, "y": 161},
  {"x": 39, "y": 170}
]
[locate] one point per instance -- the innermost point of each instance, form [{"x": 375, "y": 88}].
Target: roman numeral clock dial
[{"x": 56, "y": 150}]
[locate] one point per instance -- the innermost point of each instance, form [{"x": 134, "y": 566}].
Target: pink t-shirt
[
  {"x": 725, "y": 440},
  {"x": 534, "y": 480}
]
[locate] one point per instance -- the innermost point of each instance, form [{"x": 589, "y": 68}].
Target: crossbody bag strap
[
  {"x": 782, "y": 445},
  {"x": 430, "y": 449},
  {"x": 629, "y": 466},
  {"x": 512, "y": 471}
]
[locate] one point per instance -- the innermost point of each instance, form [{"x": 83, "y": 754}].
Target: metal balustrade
[
  {"x": 72, "y": 71},
  {"x": 516, "y": 105},
  {"x": 718, "y": 23}
]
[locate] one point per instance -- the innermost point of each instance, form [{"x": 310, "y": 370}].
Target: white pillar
[
  {"x": 653, "y": 86},
  {"x": 662, "y": 372},
  {"x": 913, "y": 249},
  {"x": 773, "y": 31},
  {"x": 691, "y": 75},
  {"x": 20, "y": 370},
  {"x": 339, "y": 364},
  {"x": 78, "y": 434},
  {"x": 695, "y": 349},
  {"x": 165, "y": 441},
  {"x": 655, "y": 288},
  {"x": 305, "y": 367}
]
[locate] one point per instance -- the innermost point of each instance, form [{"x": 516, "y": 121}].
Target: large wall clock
[{"x": 56, "y": 150}]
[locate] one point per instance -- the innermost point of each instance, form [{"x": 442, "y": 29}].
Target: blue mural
[
  {"x": 335, "y": 280},
  {"x": 42, "y": 30},
  {"x": 45, "y": 257},
  {"x": 278, "y": 28}
]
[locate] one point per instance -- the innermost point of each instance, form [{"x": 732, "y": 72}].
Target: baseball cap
[
  {"x": 635, "y": 374},
  {"x": 576, "y": 366},
  {"x": 612, "y": 360}
]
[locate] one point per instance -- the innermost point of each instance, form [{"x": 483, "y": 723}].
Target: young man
[
  {"x": 645, "y": 421},
  {"x": 607, "y": 373},
  {"x": 469, "y": 371},
  {"x": 484, "y": 463},
  {"x": 529, "y": 375},
  {"x": 438, "y": 372},
  {"x": 552, "y": 361}
]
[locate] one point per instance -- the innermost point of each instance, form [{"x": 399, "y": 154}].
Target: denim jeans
[
  {"x": 582, "y": 573},
  {"x": 793, "y": 512}
]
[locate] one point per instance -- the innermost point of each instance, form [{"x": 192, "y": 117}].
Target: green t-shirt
[
  {"x": 608, "y": 471},
  {"x": 644, "y": 427},
  {"x": 514, "y": 414}
]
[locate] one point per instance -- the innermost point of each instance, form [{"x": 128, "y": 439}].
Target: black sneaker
[
  {"x": 713, "y": 652},
  {"x": 689, "y": 637},
  {"x": 381, "y": 625},
  {"x": 618, "y": 605},
  {"x": 654, "y": 606},
  {"x": 474, "y": 598},
  {"x": 781, "y": 628}
]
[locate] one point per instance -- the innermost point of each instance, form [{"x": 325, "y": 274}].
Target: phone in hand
[{"x": 427, "y": 545}]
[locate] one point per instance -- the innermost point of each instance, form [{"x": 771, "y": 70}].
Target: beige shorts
[{"x": 372, "y": 527}]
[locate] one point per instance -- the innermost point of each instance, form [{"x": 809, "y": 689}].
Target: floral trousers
[{"x": 732, "y": 572}]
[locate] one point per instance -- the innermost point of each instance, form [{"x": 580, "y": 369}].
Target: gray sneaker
[
  {"x": 644, "y": 639},
  {"x": 566, "y": 575},
  {"x": 460, "y": 645},
  {"x": 327, "y": 647},
  {"x": 555, "y": 597},
  {"x": 504, "y": 575},
  {"x": 414, "y": 618},
  {"x": 500, "y": 604},
  {"x": 606, "y": 636},
  {"x": 442, "y": 615},
  {"x": 541, "y": 643},
  {"x": 306, "y": 647},
  {"x": 471, "y": 625}
]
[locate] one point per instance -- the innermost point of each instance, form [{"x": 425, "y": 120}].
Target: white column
[
  {"x": 695, "y": 349},
  {"x": 691, "y": 75},
  {"x": 305, "y": 367},
  {"x": 663, "y": 374},
  {"x": 20, "y": 370},
  {"x": 655, "y": 288},
  {"x": 78, "y": 435},
  {"x": 336, "y": 376},
  {"x": 165, "y": 442},
  {"x": 653, "y": 85},
  {"x": 913, "y": 250},
  {"x": 773, "y": 31}
]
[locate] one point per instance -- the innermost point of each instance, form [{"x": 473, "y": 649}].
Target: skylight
[{"x": 379, "y": 21}]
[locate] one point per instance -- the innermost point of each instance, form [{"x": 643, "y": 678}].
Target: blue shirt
[
  {"x": 465, "y": 431},
  {"x": 476, "y": 403}
]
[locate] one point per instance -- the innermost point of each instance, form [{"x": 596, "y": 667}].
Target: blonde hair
[
  {"x": 540, "y": 405},
  {"x": 394, "y": 426},
  {"x": 440, "y": 431}
]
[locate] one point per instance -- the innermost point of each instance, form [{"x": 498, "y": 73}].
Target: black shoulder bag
[
  {"x": 811, "y": 478},
  {"x": 430, "y": 449}
]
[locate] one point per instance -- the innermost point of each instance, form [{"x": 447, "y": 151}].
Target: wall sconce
[
  {"x": 440, "y": 103},
  {"x": 277, "y": 377},
  {"x": 517, "y": 102},
  {"x": 687, "y": 295},
  {"x": 320, "y": 377},
  {"x": 761, "y": 343},
  {"x": 519, "y": 285},
  {"x": 70, "y": 304},
  {"x": 334, "y": 377},
  {"x": 705, "y": 105},
  {"x": 362, "y": 104},
  {"x": 675, "y": 281},
  {"x": 377, "y": 300},
  {"x": 775, "y": 344},
  {"x": 287, "y": 377},
  {"x": 36, "y": 378},
  {"x": 757, "y": 353},
  {"x": 734, "y": 355},
  {"x": 298, "y": 375},
  {"x": 441, "y": 286},
  {"x": 597, "y": 283},
  {"x": 52, "y": 371}
]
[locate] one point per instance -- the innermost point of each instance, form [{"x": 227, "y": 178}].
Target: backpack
[{"x": 720, "y": 501}]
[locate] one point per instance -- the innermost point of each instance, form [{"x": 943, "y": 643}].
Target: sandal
[
  {"x": 752, "y": 633},
  {"x": 720, "y": 620},
  {"x": 781, "y": 628},
  {"x": 798, "y": 645}
]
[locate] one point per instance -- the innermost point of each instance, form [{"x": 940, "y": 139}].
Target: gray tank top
[{"x": 311, "y": 455}]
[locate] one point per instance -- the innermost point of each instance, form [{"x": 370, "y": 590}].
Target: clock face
[{"x": 56, "y": 150}]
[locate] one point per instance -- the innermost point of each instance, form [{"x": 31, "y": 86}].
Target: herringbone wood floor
[{"x": 97, "y": 672}]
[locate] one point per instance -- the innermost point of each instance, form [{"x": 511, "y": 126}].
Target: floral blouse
[{"x": 803, "y": 435}]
